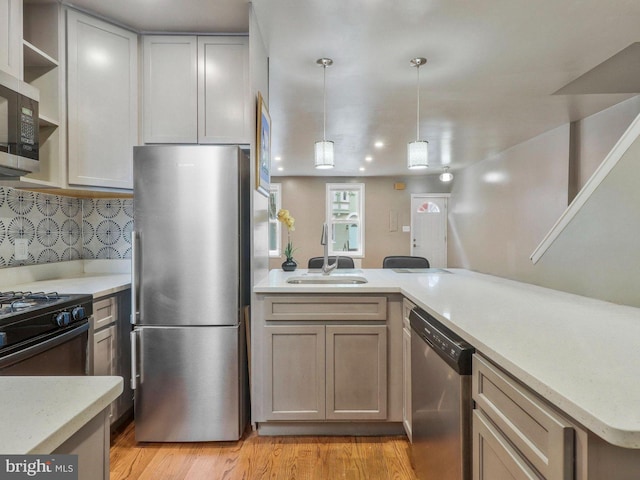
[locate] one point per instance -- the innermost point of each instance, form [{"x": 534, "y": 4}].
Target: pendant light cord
[
  {"x": 324, "y": 102},
  {"x": 418, "y": 103}
]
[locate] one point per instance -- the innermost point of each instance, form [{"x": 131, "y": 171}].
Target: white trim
[
  {"x": 276, "y": 189},
  {"x": 445, "y": 197},
  {"x": 360, "y": 188},
  {"x": 611, "y": 160}
]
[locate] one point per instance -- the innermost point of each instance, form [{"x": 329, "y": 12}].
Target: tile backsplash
[{"x": 60, "y": 229}]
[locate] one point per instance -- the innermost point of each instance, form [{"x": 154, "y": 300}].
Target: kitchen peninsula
[
  {"x": 59, "y": 415},
  {"x": 563, "y": 350}
]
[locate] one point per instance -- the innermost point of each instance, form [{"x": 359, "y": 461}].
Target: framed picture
[{"x": 263, "y": 146}]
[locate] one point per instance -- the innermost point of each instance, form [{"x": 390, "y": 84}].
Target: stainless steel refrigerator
[{"x": 190, "y": 272}]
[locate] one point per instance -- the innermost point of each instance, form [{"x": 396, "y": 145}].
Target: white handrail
[{"x": 611, "y": 160}]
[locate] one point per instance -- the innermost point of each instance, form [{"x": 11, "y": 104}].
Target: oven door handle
[{"x": 44, "y": 346}]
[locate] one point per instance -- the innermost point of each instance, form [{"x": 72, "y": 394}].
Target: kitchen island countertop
[
  {"x": 40, "y": 413},
  {"x": 576, "y": 352}
]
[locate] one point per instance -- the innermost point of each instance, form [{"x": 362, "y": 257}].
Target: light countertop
[
  {"x": 578, "y": 353},
  {"x": 41, "y": 413},
  {"x": 96, "y": 284}
]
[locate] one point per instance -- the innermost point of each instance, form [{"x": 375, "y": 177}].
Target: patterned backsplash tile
[{"x": 60, "y": 229}]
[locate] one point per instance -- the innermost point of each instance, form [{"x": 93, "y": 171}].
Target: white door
[{"x": 429, "y": 228}]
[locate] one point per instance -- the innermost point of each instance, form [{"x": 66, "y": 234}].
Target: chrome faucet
[{"x": 324, "y": 240}]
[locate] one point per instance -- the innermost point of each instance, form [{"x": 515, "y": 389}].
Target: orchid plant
[{"x": 285, "y": 217}]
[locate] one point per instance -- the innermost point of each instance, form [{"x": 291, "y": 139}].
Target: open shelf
[{"x": 34, "y": 57}]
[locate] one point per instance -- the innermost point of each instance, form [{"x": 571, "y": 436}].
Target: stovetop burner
[
  {"x": 27, "y": 316},
  {"x": 12, "y": 302}
]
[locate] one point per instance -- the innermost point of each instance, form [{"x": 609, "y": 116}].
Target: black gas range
[{"x": 30, "y": 318}]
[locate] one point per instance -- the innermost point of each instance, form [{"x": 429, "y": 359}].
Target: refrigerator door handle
[
  {"x": 135, "y": 314},
  {"x": 134, "y": 359}
]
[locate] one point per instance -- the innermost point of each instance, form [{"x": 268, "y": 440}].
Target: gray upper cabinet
[
  {"x": 102, "y": 102},
  {"x": 197, "y": 89},
  {"x": 11, "y": 36},
  {"x": 224, "y": 109},
  {"x": 170, "y": 89}
]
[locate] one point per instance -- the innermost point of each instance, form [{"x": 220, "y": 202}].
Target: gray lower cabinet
[
  {"x": 326, "y": 372},
  {"x": 493, "y": 456},
  {"x": 111, "y": 348},
  {"x": 295, "y": 372},
  {"x": 91, "y": 445},
  {"x": 407, "y": 306},
  {"x": 104, "y": 357},
  {"x": 356, "y": 370},
  {"x": 515, "y": 432}
]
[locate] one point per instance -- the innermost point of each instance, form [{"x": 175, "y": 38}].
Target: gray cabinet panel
[
  {"x": 295, "y": 373},
  {"x": 356, "y": 372},
  {"x": 543, "y": 437},
  {"x": 102, "y": 102},
  {"x": 493, "y": 456},
  {"x": 224, "y": 106},
  {"x": 10, "y": 36},
  {"x": 323, "y": 307},
  {"x": 170, "y": 89}
]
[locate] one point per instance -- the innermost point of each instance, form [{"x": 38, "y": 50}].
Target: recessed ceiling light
[
  {"x": 362, "y": 169},
  {"x": 378, "y": 144},
  {"x": 277, "y": 159},
  {"x": 280, "y": 169},
  {"x": 368, "y": 158}
]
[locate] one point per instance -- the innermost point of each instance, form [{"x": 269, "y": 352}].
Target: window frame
[
  {"x": 275, "y": 190},
  {"x": 330, "y": 188}
]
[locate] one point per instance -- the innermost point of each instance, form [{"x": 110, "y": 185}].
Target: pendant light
[
  {"x": 446, "y": 176},
  {"x": 324, "y": 149},
  {"x": 418, "y": 151}
]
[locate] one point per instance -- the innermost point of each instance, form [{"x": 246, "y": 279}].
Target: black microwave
[{"x": 19, "y": 136}]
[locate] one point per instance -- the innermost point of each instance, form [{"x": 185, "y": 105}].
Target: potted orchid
[{"x": 285, "y": 217}]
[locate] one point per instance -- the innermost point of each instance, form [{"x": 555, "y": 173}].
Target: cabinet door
[
  {"x": 356, "y": 372},
  {"x": 406, "y": 381},
  {"x": 494, "y": 457},
  {"x": 224, "y": 107},
  {"x": 11, "y": 37},
  {"x": 295, "y": 373},
  {"x": 170, "y": 89},
  {"x": 102, "y": 102},
  {"x": 124, "y": 403},
  {"x": 104, "y": 356}
]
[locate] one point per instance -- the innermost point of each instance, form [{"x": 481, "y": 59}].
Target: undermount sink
[{"x": 328, "y": 279}]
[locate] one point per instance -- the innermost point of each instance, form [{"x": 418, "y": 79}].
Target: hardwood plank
[{"x": 257, "y": 458}]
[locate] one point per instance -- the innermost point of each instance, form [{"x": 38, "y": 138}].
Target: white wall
[
  {"x": 501, "y": 208},
  {"x": 259, "y": 69},
  {"x": 495, "y": 226}
]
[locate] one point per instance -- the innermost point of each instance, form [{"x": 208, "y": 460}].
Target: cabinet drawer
[
  {"x": 493, "y": 456},
  {"x": 543, "y": 437},
  {"x": 104, "y": 312},
  {"x": 319, "y": 307}
]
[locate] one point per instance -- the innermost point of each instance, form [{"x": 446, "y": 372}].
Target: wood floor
[{"x": 254, "y": 457}]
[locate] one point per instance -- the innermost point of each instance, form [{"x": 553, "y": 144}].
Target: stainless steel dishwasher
[{"x": 440, "y": 400}]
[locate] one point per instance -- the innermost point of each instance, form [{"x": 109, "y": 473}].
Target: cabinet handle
[
  {"x": 134, "y": 359},
  {"x": 135, "y": 315}
]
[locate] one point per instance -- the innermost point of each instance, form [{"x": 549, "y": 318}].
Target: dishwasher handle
[{"x": 444, "y": 342}]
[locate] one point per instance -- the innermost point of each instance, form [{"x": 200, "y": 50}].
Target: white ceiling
[{"x": 493, "y": 67}]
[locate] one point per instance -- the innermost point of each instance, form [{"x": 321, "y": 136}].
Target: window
[
  {"x": 345, "y": 217},
  {"x": 275, "y": 203}
]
